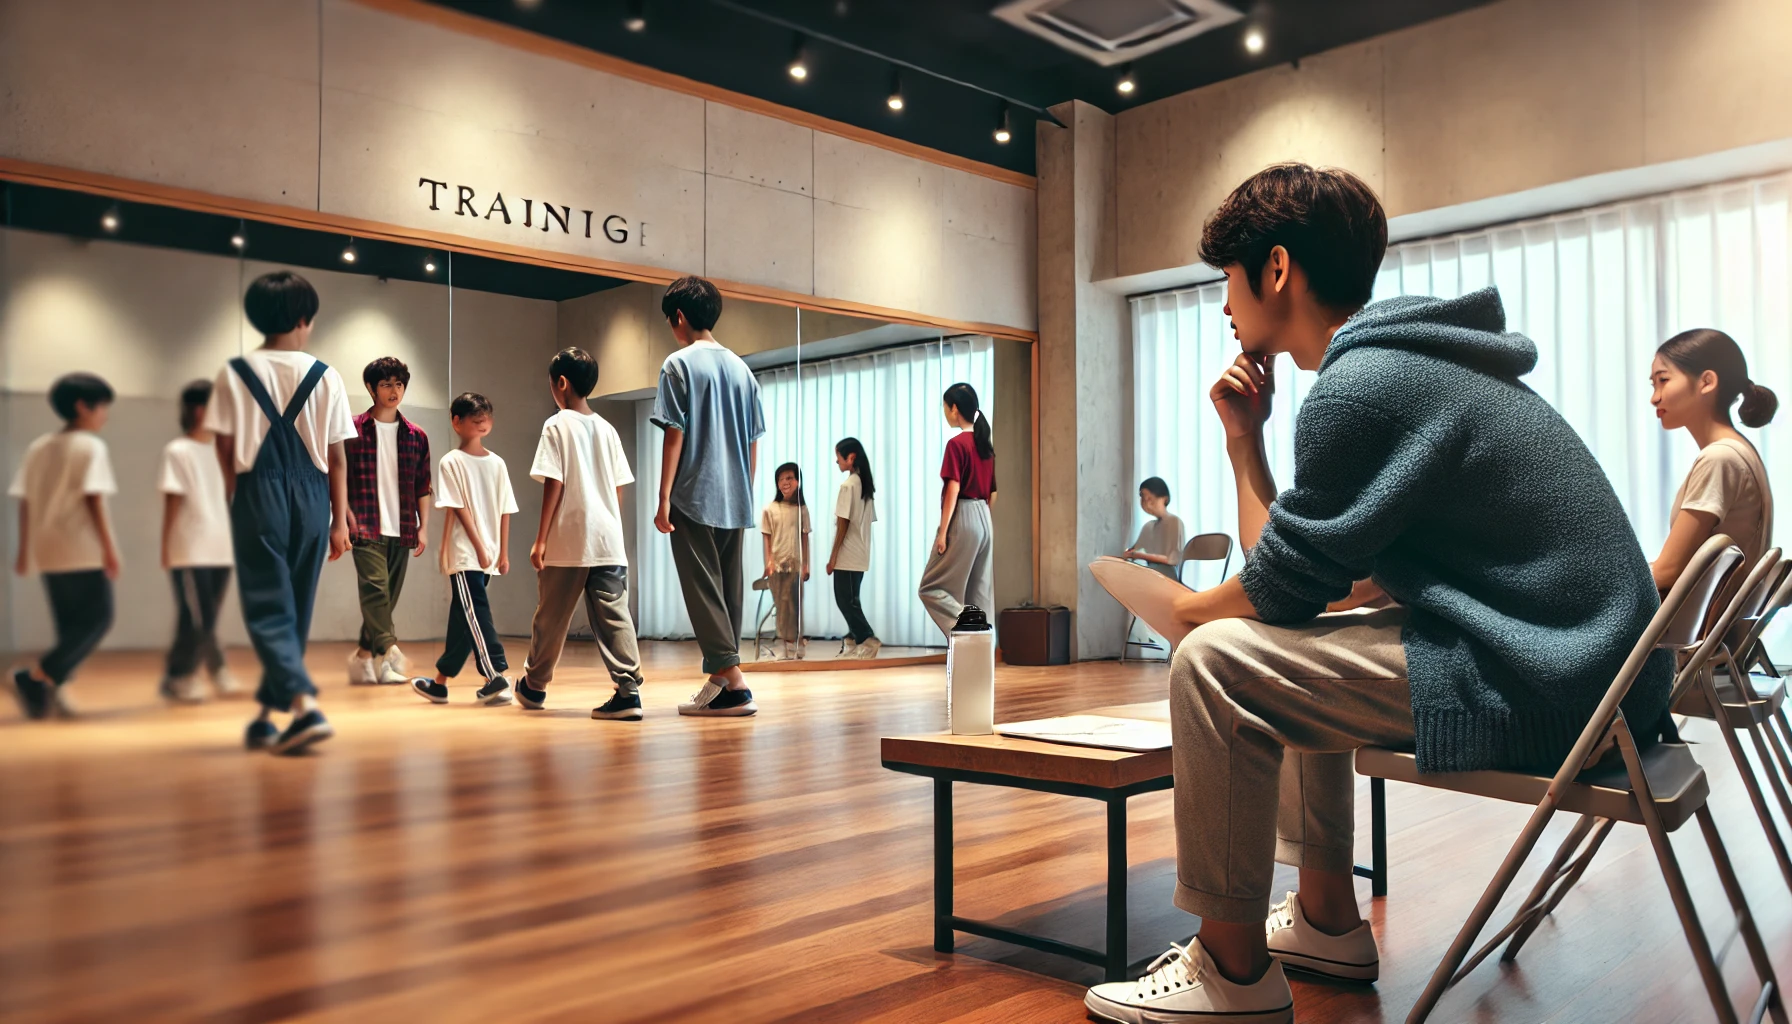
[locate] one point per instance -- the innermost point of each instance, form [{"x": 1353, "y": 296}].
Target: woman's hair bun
[{"x": 1758, "y": 406}]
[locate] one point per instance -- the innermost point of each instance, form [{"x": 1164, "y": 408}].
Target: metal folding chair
[
  {"x": 1203, "y": 547},
  {"x": 1660, "y": 789},
  {"x": 762, "y": 586}
]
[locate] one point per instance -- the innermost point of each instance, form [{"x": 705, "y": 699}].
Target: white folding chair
[
  {"x": 1203, "y": 547},
  {"x": 1660, "y": 788}
]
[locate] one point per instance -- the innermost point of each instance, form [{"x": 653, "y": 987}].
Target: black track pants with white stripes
[{"x": 470, "y": 629}]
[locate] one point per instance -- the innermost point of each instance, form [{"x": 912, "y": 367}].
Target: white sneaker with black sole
[
  {"x": 621, "y": 707},
  {"x": 1184, "y": 985},
  {"x": 1297, "y": 944},
  {"x": 429, "y": 690},
  {"x": 717, "y": 701},
  {"x": 393, "y": 669},
  {"x": 496, "y": 691}
]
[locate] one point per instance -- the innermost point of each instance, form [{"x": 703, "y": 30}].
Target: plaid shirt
[{"x": 364, "y": 477}]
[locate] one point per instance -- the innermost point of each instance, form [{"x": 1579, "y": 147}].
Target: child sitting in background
[
  {"x": 784, "y": 523},
  {"x": 65, "y": 530},
  {"x": 195, "y": 552},
  {"x": 1160, "y": 541},
  {"x": 473, "y": 490}
]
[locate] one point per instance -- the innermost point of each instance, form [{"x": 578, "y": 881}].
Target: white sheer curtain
[
  {"x": 1596, "y": 289},
  {"x": 890, "y": 401}
]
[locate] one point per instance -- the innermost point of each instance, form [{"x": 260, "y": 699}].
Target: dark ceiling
[
  {"x": 81, "y": 215},
  {"x": 746, "y": 45}
]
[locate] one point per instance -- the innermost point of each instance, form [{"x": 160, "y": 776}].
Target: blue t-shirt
[{"x": 708, "y": 392}]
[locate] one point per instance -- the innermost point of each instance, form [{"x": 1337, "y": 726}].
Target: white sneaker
[
  {"x": 397, "y": 668},
  {"x": 184, "y": 690},
  {"x": 868, "y": 650},
  {"x": 1184, "y": 985},
  {"x": 391, "y": 675},
  {"x": 848, "y": 650},
  {"x": 64, "y": 706},
  {"x": 225, "y": 684},
  {"x": 717, "y": 701},
  {"x": 1296, "y": 943},
  {"x": 362, "y": 671}
]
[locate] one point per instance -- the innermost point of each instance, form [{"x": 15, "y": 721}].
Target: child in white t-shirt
[
  {"x": 66, "y": 531},
  {"x": 281, "y": 417},
  {"x": 195, "y": 551},
  {"x": 473, "y": 489},
  {"x": 784, "y": 523},
  {"x": 578, "y": 549}
]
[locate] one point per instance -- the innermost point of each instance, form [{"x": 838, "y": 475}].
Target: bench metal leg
[
  {"x": 942, "y": 865},
  {"x": 1115, "y": 969},
  {"x": 1378, "y": 837}
]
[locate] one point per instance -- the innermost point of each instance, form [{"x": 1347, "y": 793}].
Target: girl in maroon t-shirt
[{"x": 958, "y": 568}]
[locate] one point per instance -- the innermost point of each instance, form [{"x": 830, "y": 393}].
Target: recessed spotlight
[
  {"x": 637, "y": 16},
  {"x": 110, "y": 219},
  {"x": 429, "y": 264},
  {"x": 1253, "y": 40},
  {"x": 1128, "y": 81},
  {"x": 799, "y": 60},
  {"x": 895, "y": 101},
  {"x": 348, "y": 252},
  {"x": 237, "y": 241},
  {"x": 1003, "y": 132}
]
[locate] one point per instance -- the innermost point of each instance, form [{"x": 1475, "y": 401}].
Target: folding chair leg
[
  {"x": 1445, "y": 973},
  {"x": 1745, "y": 922},
  {"x": 1534, "y": 900},
  {"x": 1771, "y": 770},
  {"x": 1570, "y": 879},
  {"x": 1750, "y": 783}
]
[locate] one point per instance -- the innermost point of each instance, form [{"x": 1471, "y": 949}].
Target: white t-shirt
[
  {"x": 385, "y": 436},
  {"x": 859, "y": 512},
  {"x": 780, "y": 522},
  {"x": 481, "y": 485},
  {"x": 583, "y": 452},
  {"x": 323, "y": 421},
  {"x": 201, "y": 534},
  {"x": 58, "y": 473},
  {"x": 1728, "y": 481}
]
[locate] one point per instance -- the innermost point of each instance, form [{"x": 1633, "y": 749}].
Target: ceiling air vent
[{"x": 1112, "y": 32}]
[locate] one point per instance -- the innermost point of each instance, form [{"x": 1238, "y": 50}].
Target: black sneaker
[
  {"x": 430, "y": 690},
  {"x": 717, "y": 701},
  {"x": 260, "y": 735},
  {"x": 495, "y": 691},
  {"x": 33, "y": 696},
  {"x": 304, "y": 730},
  {"x": 529, "y": 697},
  {"x": 621, "y": 707}
]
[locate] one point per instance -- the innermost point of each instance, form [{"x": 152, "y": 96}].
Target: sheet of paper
[{"x": 1094, "y": 731}]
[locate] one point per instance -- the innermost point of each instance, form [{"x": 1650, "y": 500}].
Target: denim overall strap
[{"x": 282, "y": 446}]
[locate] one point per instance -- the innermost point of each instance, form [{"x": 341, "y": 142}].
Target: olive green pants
[{"x": 379, "y": 569}]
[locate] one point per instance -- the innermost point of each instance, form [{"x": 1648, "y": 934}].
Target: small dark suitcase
[{"x": 1032, "y": 635}]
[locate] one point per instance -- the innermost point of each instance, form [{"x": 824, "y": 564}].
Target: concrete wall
[
  {"x": 1493, "y": 101},
  {"x": 339, "y": 107}
]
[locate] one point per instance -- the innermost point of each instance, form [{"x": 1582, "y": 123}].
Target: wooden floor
[{"x": 469, "y": 864}]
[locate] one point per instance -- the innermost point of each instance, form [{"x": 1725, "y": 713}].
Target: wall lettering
[{"x": 615, "y": 227}]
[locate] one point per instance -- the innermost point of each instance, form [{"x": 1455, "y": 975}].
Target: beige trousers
[{"x": 1266, "y": 721}]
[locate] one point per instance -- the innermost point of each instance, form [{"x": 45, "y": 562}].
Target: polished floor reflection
[{"x": 468, "y": 864}]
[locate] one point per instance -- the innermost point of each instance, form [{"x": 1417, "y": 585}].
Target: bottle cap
[{"x": 971, "y": 620}]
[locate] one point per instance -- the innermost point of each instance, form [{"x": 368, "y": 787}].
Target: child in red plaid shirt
[{"x": 388, "y": 497}]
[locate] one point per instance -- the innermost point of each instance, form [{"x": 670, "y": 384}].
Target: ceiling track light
[
  {"x": 238, "y": 242},
  {"x": 799, "y": 60},
  {"x": 429, "y": 264},
  {"x": 1128, "y": 83},
  {"x": 1004, "y": 131},
  {"x": 895, "y": 102},
  {"x": 348, "y": 253},
  {"x": 636, "y": 20},
  {"x": 1253, "y": 40},
  {"x": 110, "y": 220}
]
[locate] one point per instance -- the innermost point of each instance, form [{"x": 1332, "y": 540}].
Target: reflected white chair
[{"x": 1203, "y": 547}]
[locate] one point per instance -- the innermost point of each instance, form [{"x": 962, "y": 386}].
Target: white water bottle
[{"x": 971, "y": 675}]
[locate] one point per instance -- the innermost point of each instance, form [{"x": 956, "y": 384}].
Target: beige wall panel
[
  {"x": 987, "y": 271},
  {"x": 399, "y": 104},
  {"x": 752, "y": 147},
  {"x": 1178, "y": 158},
  {"x": 1510, "y": 97},
  {"x": 761, "y": 234},
  {"x": 878, "y": 223},
  {"x": 1717, "y": 74},
  {"x": 216, "y": 95}
]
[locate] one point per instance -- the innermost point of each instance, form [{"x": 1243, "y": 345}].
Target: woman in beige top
[{"x": 1697, "y": 376}]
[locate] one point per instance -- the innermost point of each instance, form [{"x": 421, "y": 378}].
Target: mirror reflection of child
[{"x": 784, "y": 523}]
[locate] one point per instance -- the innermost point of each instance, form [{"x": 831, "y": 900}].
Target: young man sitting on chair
[{"x": 1423, "y": 468}]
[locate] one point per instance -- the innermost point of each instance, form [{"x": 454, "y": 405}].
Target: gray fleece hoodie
[{"x": 1421, "y": 461}]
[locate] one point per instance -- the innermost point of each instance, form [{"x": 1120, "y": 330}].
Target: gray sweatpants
[
  {"x": 605, "y": 591},
  {"x": 962, "y": 575},
  {"x": 1266, "y": 721}
]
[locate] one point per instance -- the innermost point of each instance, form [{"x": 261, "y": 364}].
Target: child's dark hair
[
  {"x": 963, "y": 397},
  {"x": 697, "y": 299},
  {"x": 791, "y": 468},
  {"x": 280, "y": 301},
  {"x": 386, "y": 368},
  {"x": 1155, "y": 485},
  {"x": 577, "y": 366},
  {"x": 850, "y": 447},
  {"x": 78, "y": 387},
  {"x": 1702, "y": 349},
  {"x": 468, "y": 404},
  {"x": 193, "y": 400},
  {"x": 1328, "y": 219}
]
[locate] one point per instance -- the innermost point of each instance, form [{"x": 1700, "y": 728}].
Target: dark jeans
[
  {"x": 470, "y": 629},
  {"x": 846, "y": 595},
  {"x": 198, "y": 591},
  {"x": 81, "y": 606},
  {"x": 280, "y": 524},
  {"x": 709, "y": 572}
]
